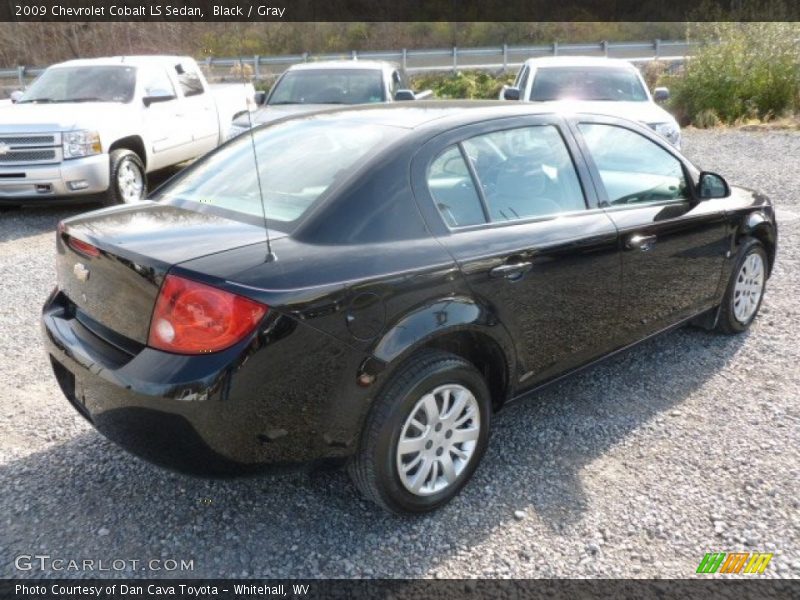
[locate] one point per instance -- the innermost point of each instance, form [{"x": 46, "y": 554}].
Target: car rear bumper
[
  {"x": 75, "y": 178},
  {"x": 268, "y": 400}
]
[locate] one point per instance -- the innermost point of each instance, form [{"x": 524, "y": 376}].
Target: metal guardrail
[{"x": 420, "y": 61}]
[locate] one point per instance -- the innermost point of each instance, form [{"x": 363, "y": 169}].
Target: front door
[{"x": 673, "y": 245}]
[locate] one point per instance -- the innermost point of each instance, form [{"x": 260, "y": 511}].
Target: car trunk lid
[{"x": 117, "y": 284}]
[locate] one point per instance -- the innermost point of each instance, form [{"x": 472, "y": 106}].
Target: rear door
[
  {"x": 513, "y": 207},
  {"x": 673, "y": 245},
  {"x": 199, "y": 110}
]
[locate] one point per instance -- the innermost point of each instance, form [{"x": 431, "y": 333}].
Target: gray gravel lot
[{"x": 688, "y": 444}]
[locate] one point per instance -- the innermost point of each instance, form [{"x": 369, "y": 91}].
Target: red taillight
[
  {"x": 84, "y": 248},
  {"x": 194, "y": 318}
]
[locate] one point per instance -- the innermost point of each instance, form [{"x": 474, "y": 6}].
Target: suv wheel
[{"x": 425, "y": 434}]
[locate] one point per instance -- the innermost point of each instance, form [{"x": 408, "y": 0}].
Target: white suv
[{"x": 605, "y": 85}]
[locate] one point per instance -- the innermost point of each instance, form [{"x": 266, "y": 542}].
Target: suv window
[
  {"x": 189, "y": 80},
  {"x": 633, "y": 168},
  {"x": 454, "y": 191},
  {"x": 525, "y": 172}
]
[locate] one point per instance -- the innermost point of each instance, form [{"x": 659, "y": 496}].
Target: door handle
[
  {"x": 511, "y": 271},
  {"x": 640, "y": 242}
]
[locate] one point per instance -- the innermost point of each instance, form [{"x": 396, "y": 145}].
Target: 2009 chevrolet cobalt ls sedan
[{"x": 372, "y": 284}]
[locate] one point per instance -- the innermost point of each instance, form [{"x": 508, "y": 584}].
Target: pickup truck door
[
  {"x": 198, "y": 109},
  {"x": 166, "y": 130}
]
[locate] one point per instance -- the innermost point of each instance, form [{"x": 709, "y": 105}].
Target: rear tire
[
  {"x": 745, "y": 290},
  {"x": 425, "y": 435},
  {"x": 127, "y": 178}
]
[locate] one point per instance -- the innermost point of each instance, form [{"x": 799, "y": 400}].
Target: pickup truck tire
[{"x": 127, "y": 178}]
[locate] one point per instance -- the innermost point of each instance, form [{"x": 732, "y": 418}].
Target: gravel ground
[{"x": 688, "y": 444}]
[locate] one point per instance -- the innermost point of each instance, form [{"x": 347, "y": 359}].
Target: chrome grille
[
  {"x": 28, "y": 140},
  {"x": 21, "y": 149},
  {"x": 26, "y": 156}
]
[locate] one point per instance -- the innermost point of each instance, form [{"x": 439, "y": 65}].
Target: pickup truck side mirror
[
  {"x": 260, "y": 98},
  {"x": 157, "y": 96},
  {"x": 711, "y": 185},
  {"x": 511, "y": 93},
  {"x": 16, "y": 96},
  {"x": 403, "y": 95},
  {"x": 661, "y": 94}
]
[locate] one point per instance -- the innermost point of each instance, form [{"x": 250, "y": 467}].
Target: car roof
[
  {"x": 422, "y": 115},
  {"x": 136, "y": 61},
  {"x": 578, "y": 61},
  {"x": 342, "y": 64}
]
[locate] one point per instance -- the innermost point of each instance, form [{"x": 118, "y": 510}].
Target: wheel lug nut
[
  {"x": 438, "y": 427},
  {"x": 428, "y": 445},
  {"x": 439, "y": 451},
  {"x": 449, "y": 434}
]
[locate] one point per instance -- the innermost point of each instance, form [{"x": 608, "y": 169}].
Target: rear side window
[
  {"x": 189, "y": 80},
  {"x": 453, "y": 190},
  {"x": 525, "y": 173},
  {"x": 633, "y": 168}
]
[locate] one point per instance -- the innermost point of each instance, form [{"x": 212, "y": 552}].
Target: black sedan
[{"x": 368, "y": 286}]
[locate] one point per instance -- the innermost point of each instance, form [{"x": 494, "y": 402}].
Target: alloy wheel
[{"x": 438, "y": 439}]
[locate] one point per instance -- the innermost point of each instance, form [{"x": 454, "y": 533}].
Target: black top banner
[{"x": 396, "y": 10}]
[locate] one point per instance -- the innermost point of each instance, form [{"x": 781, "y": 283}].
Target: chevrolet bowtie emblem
[
  {"x": 4, "y": 149},
  {"x": 81, "y": 272}
]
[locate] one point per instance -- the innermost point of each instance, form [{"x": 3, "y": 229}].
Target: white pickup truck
[{"x": 96, "y": 127}]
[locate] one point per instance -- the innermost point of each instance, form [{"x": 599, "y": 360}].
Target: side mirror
[
  {"x": 511, "y": 93},
  {"x": 157, "y": 96},
  {"x": 712, "y": 185},
  {"x": 661, "y": 94},
  {"x": 16, "y": 96},
  {"x": 403, "y": 95},
  {"x": 260, "y": 98}
]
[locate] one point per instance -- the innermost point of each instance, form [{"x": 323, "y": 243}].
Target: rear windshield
[
  {"x": 329, "y": 86},
  {"x": 83, "y": 84},
  {"x": 291, "y": 165},
  {"x": 587, "y": 83}
]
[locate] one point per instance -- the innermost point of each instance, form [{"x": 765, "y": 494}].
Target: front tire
[
  {"x": 127, "y": 178},
  {"x": 745, "y": 289},
  {"x": 425, "y": 434}
]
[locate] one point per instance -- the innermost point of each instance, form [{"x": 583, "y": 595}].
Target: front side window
[
  {"x": 522, "y": 80},
  {"x": 289, "y": 166},
  {"x": 525, "y": 173},
  {"x": 634, "y": 169},
  {"x": 587, "y": 83},
  {"x": 156, "y": 83}
]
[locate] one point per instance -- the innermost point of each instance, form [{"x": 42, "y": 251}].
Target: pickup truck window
[
  {"x": 156, "y": 82},
  {"x": 329, "y": 86},
  {"x": 83, "y": 84},
  {"x": 587, "y": 83},
  {"x": 294, "y": 164},
  {"x": 189, "y": 80}
]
